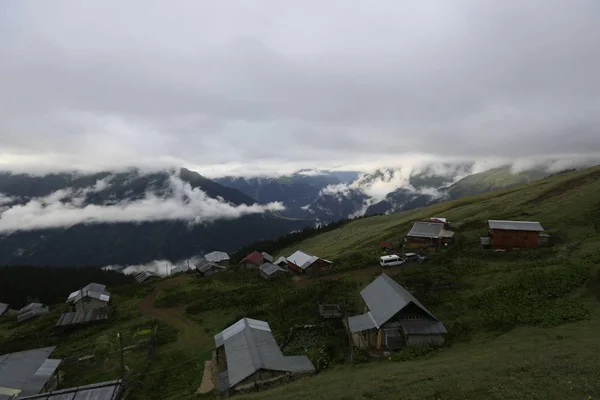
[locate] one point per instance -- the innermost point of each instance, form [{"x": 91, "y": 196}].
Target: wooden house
[
  {"x": 248, "y": 359},
  {"x": 307, "y": 264},
  {"x": 429, "y": 233},
  {"x": 208, "y": 268},
  {"x": 93, "y": 295},
  {"x": 145, "y": 276},
  {"x": 282, "y": 263},
  {"x": 505, "y": 235},
  {"x": 271, "y": 271},
  {"x": 218, "y": 257},
  {"x": 252, "y": 260},
  {"x": 393, "y": 319}
]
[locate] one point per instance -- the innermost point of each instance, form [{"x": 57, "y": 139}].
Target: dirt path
[
  {"x": 190, "y": 332},
  {"x": 207, "y": 384}
]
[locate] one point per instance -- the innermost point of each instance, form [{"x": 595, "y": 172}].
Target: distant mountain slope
[
  {"x": 559, "y": 203},
  {"x": 496, "y": 178},
  {"x": 157, "y": 224},
  {"x": 131, "y": 184},
  {"x": 437, "y": 189},
  {"x": 295, "y": 191}
]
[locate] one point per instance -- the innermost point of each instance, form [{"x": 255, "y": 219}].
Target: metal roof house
[
  {"x": 307, "y": 264},
  {"x": 394, "y": 318},
  {"x": 88, "y": 305},
  {"x": 31, "y": 311},
  {"x": 207, "y": 268},
  {"x": 267, "y": 256},
  {"x": 3, "y": 309},
  {"x": 27, "y": 373},
  {"x": 281, "y": 262},
  {"x": 271, "y": 271},
  {"x": 93, "y": 295},
  {"x": 504, "y": 235},
  {"x": 145, "y": 276},
  {"x": 219, "y": 257},
  {"x": 428, "y": 233},
  {"x": 248, "y": 359},
  {"x": 253, "y": 260},
  {"x": 111, "y": 390}
]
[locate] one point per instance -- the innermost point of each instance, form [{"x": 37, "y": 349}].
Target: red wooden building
[
  {"x": 504, "y": 235},
  {"x": 307, "y": 264},
  {"x": 253, "y": 260}
]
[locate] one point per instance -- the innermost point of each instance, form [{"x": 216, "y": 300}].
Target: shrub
[
  {"x": 536, "y": 297},
  {"x": 412, "y": 353}
]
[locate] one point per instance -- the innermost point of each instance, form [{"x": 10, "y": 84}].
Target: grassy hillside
[
  {"x": 493, "y": 179},
  {"x": 566, "y": 203},
  {"x": 522, "y": 324}
]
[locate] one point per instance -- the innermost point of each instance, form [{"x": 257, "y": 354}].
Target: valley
[{"x": 521, "y": 323}]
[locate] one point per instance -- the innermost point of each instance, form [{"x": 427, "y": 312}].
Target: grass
[
  {"x": 522, "y": 324},
  {"x": 526, "y": 363}
]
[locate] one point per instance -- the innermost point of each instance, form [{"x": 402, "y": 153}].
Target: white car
[{"x": 391, "y": 261}]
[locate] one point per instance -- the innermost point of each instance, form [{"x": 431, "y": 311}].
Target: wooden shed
[{"x": 505, "y": 235}]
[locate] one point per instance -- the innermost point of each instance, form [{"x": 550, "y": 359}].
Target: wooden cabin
[
  {"x": 306, "y": 264},
  {"x": 428, "y": 233},
  {"x": 505, "y": 235},
  {"x": 394, "y": 318}
]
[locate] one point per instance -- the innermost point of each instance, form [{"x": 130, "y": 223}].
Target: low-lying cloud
[
  {"x": 158, "y": 267},
  {"x": 65, "y": 208}
]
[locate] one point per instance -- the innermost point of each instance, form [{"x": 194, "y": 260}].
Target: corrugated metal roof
[
  {"x": 98, "y": 391},
  {"x": 207, "y": 266},
  {"x": 302, "y": 259},
  {"x": 281, "y": 260},
  {"x": 385, "y": 298},
  {"x": 26, "y": 371},
  {"x": 516, "y": 225},
  {"x": 238, "y": 327},
  {"x": 92, "y": 290},
  {"x": 31, "y": 311},
  {"x": 429, "y": 230},
  {"x": 255, "y": 258},
  {"x": 217, "y": 256},
  {"x": 422, "y": 327},
  {"x": 30, "y": 307},
  {"x": 249, "y": 347},
  {"x": 359, "y": 323},
  {"x": 83, "y": 316},
  {"x": 267, "y": 256},
  {"x": 144, "y": 276},
  {"x": 3, "y": 308},
  {"x": 269, "y": 269}
]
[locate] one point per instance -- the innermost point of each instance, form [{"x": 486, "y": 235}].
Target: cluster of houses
[
  {"x": 300, "y": 263},
  {"x": 247, "y": 357},
  {"x": 436, "y": 233},
  {"x": 32, "y": 374}
]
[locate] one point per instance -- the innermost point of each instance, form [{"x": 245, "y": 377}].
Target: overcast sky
[{"x": 265, "y": 86}]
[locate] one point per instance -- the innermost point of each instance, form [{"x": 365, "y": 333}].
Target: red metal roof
[{"x": 255, "y": 258}]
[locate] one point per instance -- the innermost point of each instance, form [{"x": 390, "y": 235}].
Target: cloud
[
  {"x": 238, "y": 89},
  {"x": 159, "y": 267},
  {"x": 65, "y": 208}
]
